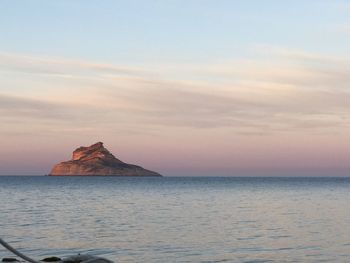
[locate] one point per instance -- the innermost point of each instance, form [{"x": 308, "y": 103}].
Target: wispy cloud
[
  {"x": 61, "y": 66},
  {"x": 280, "y": 90},
  {"x": 343, "y": 28}
]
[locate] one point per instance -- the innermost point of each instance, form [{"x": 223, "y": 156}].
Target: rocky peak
[
  {"x": 97, "y": 160},
  {"x": 93, "y": 151}
]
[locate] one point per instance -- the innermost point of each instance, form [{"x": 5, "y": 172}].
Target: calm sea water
[{"x": 178, "y": 219}]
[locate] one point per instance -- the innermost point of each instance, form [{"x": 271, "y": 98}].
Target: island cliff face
[{"x": 96, "y": 160}]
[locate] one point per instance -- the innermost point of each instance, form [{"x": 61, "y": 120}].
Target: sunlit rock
[{"x": 96, "y": 160}]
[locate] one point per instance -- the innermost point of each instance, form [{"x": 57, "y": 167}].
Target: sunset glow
[{"x": 224, "y": 102}]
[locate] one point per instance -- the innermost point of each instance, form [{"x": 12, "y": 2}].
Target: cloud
[
  {"x": 343, "y": 29},
  {"x": 291, "y": 91},
  {"x": 61, "y": 66},
  {"x": 287, "y": 68},
  {"x": 23, "y": 108}
]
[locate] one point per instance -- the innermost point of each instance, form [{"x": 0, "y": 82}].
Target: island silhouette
[{"x": 96, "y": 160}]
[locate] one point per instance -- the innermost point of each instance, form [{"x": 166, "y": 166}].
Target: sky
[{"x": 182, "y": 87}]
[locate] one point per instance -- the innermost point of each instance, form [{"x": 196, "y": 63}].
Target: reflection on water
[{"x": 178, "y": 219}]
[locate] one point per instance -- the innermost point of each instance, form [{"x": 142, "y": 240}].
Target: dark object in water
[
  {"x": 16, "y": 252},
  {"x": 85, "y": 259},
  {"x": 72, "y": 259},
  {"x": 10, "y": 260},
  {"x": 51, "y": 259}
]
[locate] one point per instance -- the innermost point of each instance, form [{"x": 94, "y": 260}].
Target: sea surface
[{"x": 178, "y": 219}]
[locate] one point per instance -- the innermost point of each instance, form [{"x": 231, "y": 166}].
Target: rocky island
[{"x": 96, "y": 160}]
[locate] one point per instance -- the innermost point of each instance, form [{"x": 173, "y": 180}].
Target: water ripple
[{"x": 178, "y": 219}]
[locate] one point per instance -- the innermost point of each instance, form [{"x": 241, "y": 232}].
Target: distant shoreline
[{"x": 176, "y": 176}]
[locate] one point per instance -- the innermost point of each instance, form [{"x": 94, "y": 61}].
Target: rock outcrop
[{"x": 96, "y": 160}]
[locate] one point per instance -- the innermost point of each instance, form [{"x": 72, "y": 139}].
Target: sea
[{"x": 178, "y": 219}]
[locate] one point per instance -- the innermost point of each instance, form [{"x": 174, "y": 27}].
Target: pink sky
[
  {"x": 288, "y": 115},
  {"x": 195, "y": 87}
]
